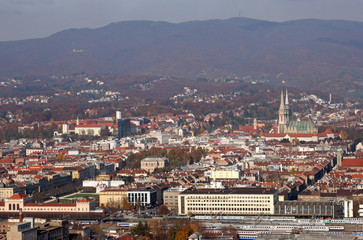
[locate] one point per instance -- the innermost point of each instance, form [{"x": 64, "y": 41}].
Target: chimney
[{"x": 20, "y": 215}]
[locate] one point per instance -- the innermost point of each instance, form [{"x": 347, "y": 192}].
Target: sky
[{"x": 25, "y": 19}]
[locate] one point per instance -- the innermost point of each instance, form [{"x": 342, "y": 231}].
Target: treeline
[
  {"x": 178, "y": 157},
  {"x": 161, "y": 230}
]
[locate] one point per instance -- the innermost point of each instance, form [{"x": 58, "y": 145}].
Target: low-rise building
[
  {"x": 332, "y": 209},
  {"x": 22, "y": 231},
  {"x": 113, "y": 197},
  {"x": 6, "y": 193},
  {"x": 152, "y": 162},
  {"x": 224, "y": 173},
  {"x": 146, "y": 197},
  {"x": 83, "y": 208}
]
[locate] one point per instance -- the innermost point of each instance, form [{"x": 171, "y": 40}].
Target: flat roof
[{"x": 231, "y": 191}]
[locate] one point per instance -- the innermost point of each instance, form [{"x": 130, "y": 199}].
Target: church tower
[
  {"x": 287, "y": 108},
  {"x": 282, "y": 115}
]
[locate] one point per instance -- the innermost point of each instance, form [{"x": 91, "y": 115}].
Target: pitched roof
[
  {"x": 19, "y": 196},
  {"x": 352, "y": 162}
]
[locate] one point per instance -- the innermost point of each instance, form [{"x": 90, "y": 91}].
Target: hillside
[{"x": 309, "y": 54}]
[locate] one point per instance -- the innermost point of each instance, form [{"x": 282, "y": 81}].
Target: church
[
  {"x": 287, "y": 126},
  {"x": 299, "y": 130}
]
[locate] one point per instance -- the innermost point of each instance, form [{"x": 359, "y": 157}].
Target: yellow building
[
  {"x": 6, "y": 193},
  {"x": 103, "y": 177},
  {"x": 113, "y": 197},
  {"x": 224, "y": 173}
]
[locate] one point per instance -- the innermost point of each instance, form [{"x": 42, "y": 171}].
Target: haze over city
[{"x": 181, "y": 119}]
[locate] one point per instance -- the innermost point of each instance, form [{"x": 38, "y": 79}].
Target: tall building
[
  {"x": 124, "y": 128},
  {"x": 287, "y": 126}
]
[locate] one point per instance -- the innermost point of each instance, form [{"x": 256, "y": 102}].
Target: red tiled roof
[
  {"x": 50, "y": 204},
  {"x": 353, "y": 162},
  {"x": 19, "y": 196}
]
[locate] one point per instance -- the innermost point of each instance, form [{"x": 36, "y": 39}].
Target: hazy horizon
[{"x": 26, "y": 19}]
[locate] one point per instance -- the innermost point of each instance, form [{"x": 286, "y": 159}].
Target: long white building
[{"x": 227, "y": 201}]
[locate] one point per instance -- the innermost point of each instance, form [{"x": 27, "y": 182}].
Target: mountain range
[{"x": 309, "y": 54}]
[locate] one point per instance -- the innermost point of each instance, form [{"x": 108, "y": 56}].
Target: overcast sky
[{"x": 24, "y": 19}]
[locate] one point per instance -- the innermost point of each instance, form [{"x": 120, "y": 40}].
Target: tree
[
  {"x": 138, "y": 205},
  {"x": 163, "y": 210},
  {"x": 181, "y": 235},
  {"x": 142, "y": 229},
  {"x": 125, "y": 204}
]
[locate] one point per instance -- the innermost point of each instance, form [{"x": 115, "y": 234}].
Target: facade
[
  {"x": 151, "y": 163},
  {"x": 146, "y": 197},
  {"x": 102, "y": 185},
  {"x": 113, "y": 197},
  {"x": 11, "y": 206},
  {"x": 22, "y": 231},
  {"x": 90, "y": 130},
  {"x": 232, "y": 174},
  {"x": 124, "y": 128},
  {"x": 228, "y": 201},
  {"x": 6, "y": 193},
  {"x": 171, "y": 197},
  {"x": 310, "y": 209}
]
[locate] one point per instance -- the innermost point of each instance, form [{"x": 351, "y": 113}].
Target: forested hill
[{"x": 304, "y": 53}]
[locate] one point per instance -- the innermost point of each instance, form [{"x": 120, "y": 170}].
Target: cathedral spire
[
  {"x": 282, "y": 100},
  {"x": 287, "y": 98}
]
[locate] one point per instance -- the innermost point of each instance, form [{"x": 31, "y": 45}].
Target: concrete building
[
  {"x": 171, "y": 197},
  {"x": 227, "y": 201},
  {"x": 152, "y": 162},
  {"x": 146, "y": 197},
  {"x": 332, "y": 209},
  {"x": 22, "y": 231}
]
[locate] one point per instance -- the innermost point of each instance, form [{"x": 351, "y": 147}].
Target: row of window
[
  {"x": 229, "y": 209},
  {"x": 221, "y": 204},
  {"x": 228, "y": 201},
  {"x": 226, "y": 197}
]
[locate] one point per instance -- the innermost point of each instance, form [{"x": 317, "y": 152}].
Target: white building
[
  {"x": 146, "y": 197},
  {"x": 101, "y": 185},
  {"x": 227, "y": 201}
]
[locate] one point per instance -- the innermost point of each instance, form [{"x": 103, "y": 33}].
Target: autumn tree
[
  {"x": 163, "y": 210},
  {"x": 125, "y": 204},
  {"x": 141, "y": 229}
]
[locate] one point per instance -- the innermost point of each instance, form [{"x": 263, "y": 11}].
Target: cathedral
[{"x": 287, "y": 126}]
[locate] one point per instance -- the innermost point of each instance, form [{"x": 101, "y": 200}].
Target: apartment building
[{"x": 227, "y": 201}]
